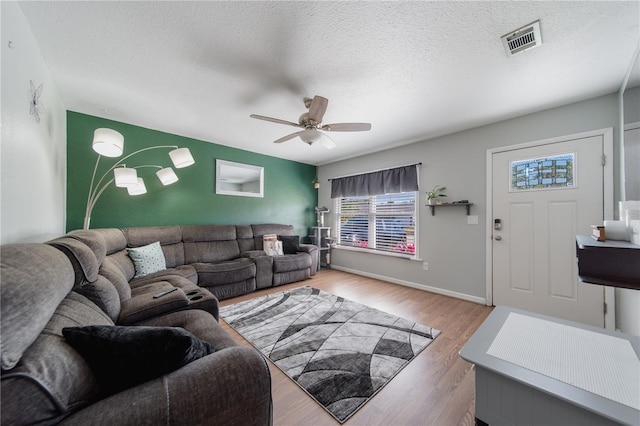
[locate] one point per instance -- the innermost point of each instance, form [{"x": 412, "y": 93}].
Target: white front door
[{"x": 543, "y": 196}]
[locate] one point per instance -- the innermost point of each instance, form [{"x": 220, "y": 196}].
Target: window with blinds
[{"x": 381, "y": 223}]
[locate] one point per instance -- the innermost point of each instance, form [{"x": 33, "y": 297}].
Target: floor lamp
[{"x": 110, "y": 143}]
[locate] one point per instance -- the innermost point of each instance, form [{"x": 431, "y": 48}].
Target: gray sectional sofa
[
  {"x": 46, "y": 380},
  {"x": 226, "y": 260},
  {"x": 87, "y": 282}
]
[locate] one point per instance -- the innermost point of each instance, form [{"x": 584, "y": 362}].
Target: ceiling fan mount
[{"x": 311, "y": 122}]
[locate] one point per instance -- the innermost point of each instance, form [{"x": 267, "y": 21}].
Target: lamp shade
[
  {"x": 108, "y": 142},
  {"x": 138, "y": 189},
  {"x": 181, "y": 157},
  {"x": 125, "y": 177},
  {"x": 167, "y": 176}
]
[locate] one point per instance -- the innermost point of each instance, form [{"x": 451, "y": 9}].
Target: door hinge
[
  {"x": 604, "y": 160},
  {"x": 604, "y": 307}
]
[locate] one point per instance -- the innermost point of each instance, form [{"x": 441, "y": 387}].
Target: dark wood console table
[{"x": 612, "y": 263}]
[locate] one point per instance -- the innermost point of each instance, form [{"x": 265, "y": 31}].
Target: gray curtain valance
[{"x": 400, "y": 179}]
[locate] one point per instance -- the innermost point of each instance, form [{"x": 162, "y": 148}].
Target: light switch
[{"x": 472, "y": 220}]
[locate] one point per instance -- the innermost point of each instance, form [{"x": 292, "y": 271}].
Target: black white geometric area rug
[{"x": 340, "y": 352}]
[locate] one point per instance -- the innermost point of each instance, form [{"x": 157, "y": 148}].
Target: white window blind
[{"x": 381, "y": 223}]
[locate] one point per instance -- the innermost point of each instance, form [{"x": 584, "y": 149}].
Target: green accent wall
[{"x": 289, "y": 196}]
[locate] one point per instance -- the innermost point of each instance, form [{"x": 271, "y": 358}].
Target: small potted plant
[{"x": 434, "y": 194}]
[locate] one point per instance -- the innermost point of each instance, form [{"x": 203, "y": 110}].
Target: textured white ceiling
[{"x": 414, "y": 70}]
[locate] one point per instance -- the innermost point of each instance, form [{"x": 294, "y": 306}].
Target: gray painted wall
[{"x": 456, "y": 251}]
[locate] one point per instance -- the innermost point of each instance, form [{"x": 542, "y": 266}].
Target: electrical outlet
[
  {"x": 425, "y": 266},
  {"x": 472, "y": 220}
]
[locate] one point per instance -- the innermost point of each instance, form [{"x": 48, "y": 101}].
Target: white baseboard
[{"x": 467, "y": 297}]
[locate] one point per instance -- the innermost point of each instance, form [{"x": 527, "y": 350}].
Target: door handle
[{"x": 498, "y": 238}]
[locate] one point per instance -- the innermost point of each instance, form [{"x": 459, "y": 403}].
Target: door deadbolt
[{"x": 497, "y": 224}]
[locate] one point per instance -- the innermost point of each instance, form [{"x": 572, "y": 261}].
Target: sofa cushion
[
  {"x": 211, "y": 274},
  {"x": 110, "y": 270},
  {"x": 290, "y": 276},
  {"x": 290, "y": 243},
  {"x": 269, "y": 228},
  {"x": 123, "y": 262},
  {"x": 211, "y": 251},
  {"x": 104, "y": 294},
  {"x": 170, "y": 238},
  {"x": 114, "y": 239},
  {"x": 244, "y": 235},
  {"x": 94, "y": 240},
  {"x": 122, "y": 357},
  {"x": 142, "y": 235},
  {"x": 195, "y": 297},
  {"x": 209, "y": 243},
  {"x": 143, "y": 305},
  {"x": 196, "y": 233},
  {"x": 179, "y": 277},
  {"x": 52, "y": 379},
  {"x": 291, "y": 262},
  {"x": 147, "y": 259},
  {"x": 83, "y": 259},
  {"x": 34, "y": 278}
]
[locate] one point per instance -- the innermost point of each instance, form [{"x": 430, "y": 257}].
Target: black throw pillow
[
  {"x": 122, "y": 357},
  {"x": 290, "y": 243}
]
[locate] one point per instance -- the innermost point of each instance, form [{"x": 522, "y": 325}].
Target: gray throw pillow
[
  {"x": 147, "y": 259},
  {"x": 122, "y": 357}
]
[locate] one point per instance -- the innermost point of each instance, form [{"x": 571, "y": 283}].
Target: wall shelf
[{"x": 433, "y": 207}]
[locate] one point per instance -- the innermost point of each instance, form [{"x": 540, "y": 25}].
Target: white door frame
[{"x": 607, "y": 136}]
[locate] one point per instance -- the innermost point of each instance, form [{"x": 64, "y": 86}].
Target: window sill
[{"x": 378, "y": 252}]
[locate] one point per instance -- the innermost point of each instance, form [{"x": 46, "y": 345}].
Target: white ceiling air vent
[{"x": 522, "y": 39}]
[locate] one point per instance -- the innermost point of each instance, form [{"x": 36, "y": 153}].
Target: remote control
[{"x": 164, "y": 293}]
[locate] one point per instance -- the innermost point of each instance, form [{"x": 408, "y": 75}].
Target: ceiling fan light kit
[
  {"x": 309, "y": 136},
  {"x": 311, "y": 122}
]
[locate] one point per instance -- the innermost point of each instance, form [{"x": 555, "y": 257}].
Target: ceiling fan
[{"x": 311, "y": 122}]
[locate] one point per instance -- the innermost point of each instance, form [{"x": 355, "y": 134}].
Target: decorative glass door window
[{"x": 553, "y": 172}]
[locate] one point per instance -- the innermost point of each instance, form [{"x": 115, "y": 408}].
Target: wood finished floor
[{"x": 436, "y": 388}]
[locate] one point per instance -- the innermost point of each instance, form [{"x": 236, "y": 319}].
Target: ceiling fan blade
[
  {"x": 347, "y": 127},
  {"x": 286, "y": 138},
  {"x": 317, "y": 108},
  {"x": 274, "y": 120},
  {"x": 326, "y": 141}
]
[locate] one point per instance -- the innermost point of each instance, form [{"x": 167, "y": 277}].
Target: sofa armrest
[
  {"x": 144, "y": 306},
  {"x": 313, "y": 252},
  {"x": 264, "y": 267},
  {"x": 252, "y": 254},
  {"x": 229, "y": 387}
]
